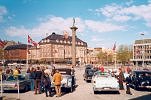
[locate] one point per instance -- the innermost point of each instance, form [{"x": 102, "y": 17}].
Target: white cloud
[
  {"x": 121, "y": 13},
  {"x": 49, "y": 25},
  {"x": 3, "y": 11},
  {"x": 14, "y": 31},
  {"x": 59, "y": 24},
  {"x": 97, "y": 26}
]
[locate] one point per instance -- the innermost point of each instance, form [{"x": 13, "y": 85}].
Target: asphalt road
[{"x": 83, "y": 91}]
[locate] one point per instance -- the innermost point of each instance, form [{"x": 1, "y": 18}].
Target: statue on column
[{"x": 73, "y": 21}]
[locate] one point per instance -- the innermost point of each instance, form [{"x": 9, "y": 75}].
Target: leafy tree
[
  {"x": 124, "y": 54},
  {"x": 104, "y": 57}
]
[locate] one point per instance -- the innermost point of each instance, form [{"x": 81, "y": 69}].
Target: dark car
[
  {"x": 88, "y": 73},
  {"x": 69, "y": 81},
  {"x": 140, "y": 79},
  {"x": 11, "y": 83}
]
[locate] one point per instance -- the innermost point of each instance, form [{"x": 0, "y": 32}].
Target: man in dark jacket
[
  {"x": 47, "y": 84},
  {"x": 128, "y": 80},
  {"x": 121, "y": 79},
  {"x": 38, "y": 75}
]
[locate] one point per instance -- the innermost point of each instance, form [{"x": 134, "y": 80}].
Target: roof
[
  {"x": 18, "y": 46},
  {"x": 2, "y": 43},
  {"x": 53, "y": 38}
]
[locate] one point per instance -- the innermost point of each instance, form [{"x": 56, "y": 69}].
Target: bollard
[
  {"x": 18, "y": 98},
  {"x": 1, "y": 97}
]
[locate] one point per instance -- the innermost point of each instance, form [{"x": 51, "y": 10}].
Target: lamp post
[
  {"x": 143, "y": 49},
  {"x": 73, "y": 28}
]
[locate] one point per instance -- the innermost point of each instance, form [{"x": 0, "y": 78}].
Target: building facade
[
  {"x": 15, "y": 53},
  {"x": 142, "y": 52},
  {"x": 57, "y": 48}
]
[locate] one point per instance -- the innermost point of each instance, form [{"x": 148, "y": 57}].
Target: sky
[{"x": 100, "y": 23}]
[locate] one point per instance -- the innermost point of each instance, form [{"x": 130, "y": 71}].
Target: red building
[{"x": 15, "y": 53}]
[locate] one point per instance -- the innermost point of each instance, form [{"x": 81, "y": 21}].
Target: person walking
[
  {"x": 128, "y": 80},
  {"x": 47, "y": 84},
  {"x": 57, "y": 78},
  {"x": 38, "y": 75},
  {"x": 121, "y": 79}
]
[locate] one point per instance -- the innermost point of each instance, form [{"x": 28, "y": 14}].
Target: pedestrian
[
  {"x": 128, "y": 80},
  {"x": 128, "y": 69},
  {"x": 38, "y": 75},
  {"x": 32, "y": 78},
  {"x": 16, "y": 72},
  {"x": 7, "y": 71},
  {"x": 57, "y": 78},
  {"x": 47, "y": 84},
  {"x": 47, "y": 71},
  {"x": 121, "y": 79},
  {"x": 42, "y": 87},
  {"x": 101, "y": 68}
]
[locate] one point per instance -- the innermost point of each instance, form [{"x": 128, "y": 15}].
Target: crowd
[{"x": 40, "y": 78}]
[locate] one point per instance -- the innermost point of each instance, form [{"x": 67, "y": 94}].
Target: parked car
[
  {"x": 103, "y": 81},
  {"x": 69, "y": 81},
  {"x": 140, "y": 79},
  {"x": 11, "y": 83},
  {"x": 88, "y": 73}
]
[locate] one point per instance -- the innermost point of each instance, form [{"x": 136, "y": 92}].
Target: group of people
[
  {"x": 41, "y": 79},
  {"x": 120, "y": 77}
]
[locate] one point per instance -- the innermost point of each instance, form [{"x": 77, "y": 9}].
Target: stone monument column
[{"x": 73, "y": 28}]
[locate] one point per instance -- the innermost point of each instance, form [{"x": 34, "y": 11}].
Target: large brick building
[{"x": 16, "y": 53}]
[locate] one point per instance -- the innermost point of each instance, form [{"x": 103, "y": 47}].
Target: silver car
[{"x": 68, "y": 82}]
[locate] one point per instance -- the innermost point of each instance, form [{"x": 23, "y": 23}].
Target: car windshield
[
  {"x": 144, "y": 74},
  {"x": 90, "y": 71},
  {"x": 13, "y": 78},
  {"x": 102, "y": 74}
]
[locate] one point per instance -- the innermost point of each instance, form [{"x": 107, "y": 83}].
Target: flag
[
  {"x": 2, "y": 43},
  {"x": 114, "y": 47},
  {"x": 30, "y": 41}
]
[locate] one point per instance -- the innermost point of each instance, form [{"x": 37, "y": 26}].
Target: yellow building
[{"x": 57, "y": 48}]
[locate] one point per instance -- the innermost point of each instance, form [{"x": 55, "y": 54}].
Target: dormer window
[
  {"x": 48, "y": 40},
  {"x": 60, "y": 41},
  {"x": 78, "y": 43},
  {"x": 45, "y": 41},
  {"x": 57, "y": 41}
]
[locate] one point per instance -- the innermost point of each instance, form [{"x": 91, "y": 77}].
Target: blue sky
[{"x": 100, "y": 23}]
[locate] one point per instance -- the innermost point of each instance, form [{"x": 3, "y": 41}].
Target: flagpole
[
  {"x": 115, "y": 60},
  {"x": 27, "y": 54}
]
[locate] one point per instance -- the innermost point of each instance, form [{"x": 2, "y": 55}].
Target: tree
[{"x": 124, "y": 54}]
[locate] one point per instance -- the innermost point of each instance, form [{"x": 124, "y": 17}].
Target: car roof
[{"x": 141, "y": 71}]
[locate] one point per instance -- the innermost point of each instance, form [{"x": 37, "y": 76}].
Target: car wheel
[
  {"x": 135, "y": 87},
  {"x": 71, "y": 89},
  {"x": 26, "y": 88},
  {"x": 95, "y": 92}
]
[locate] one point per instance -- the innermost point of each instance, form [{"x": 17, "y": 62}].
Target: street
[{"x": 83, "y": 91}]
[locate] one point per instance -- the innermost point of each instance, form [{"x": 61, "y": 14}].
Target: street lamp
[{"x": 143, "y": 49}]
